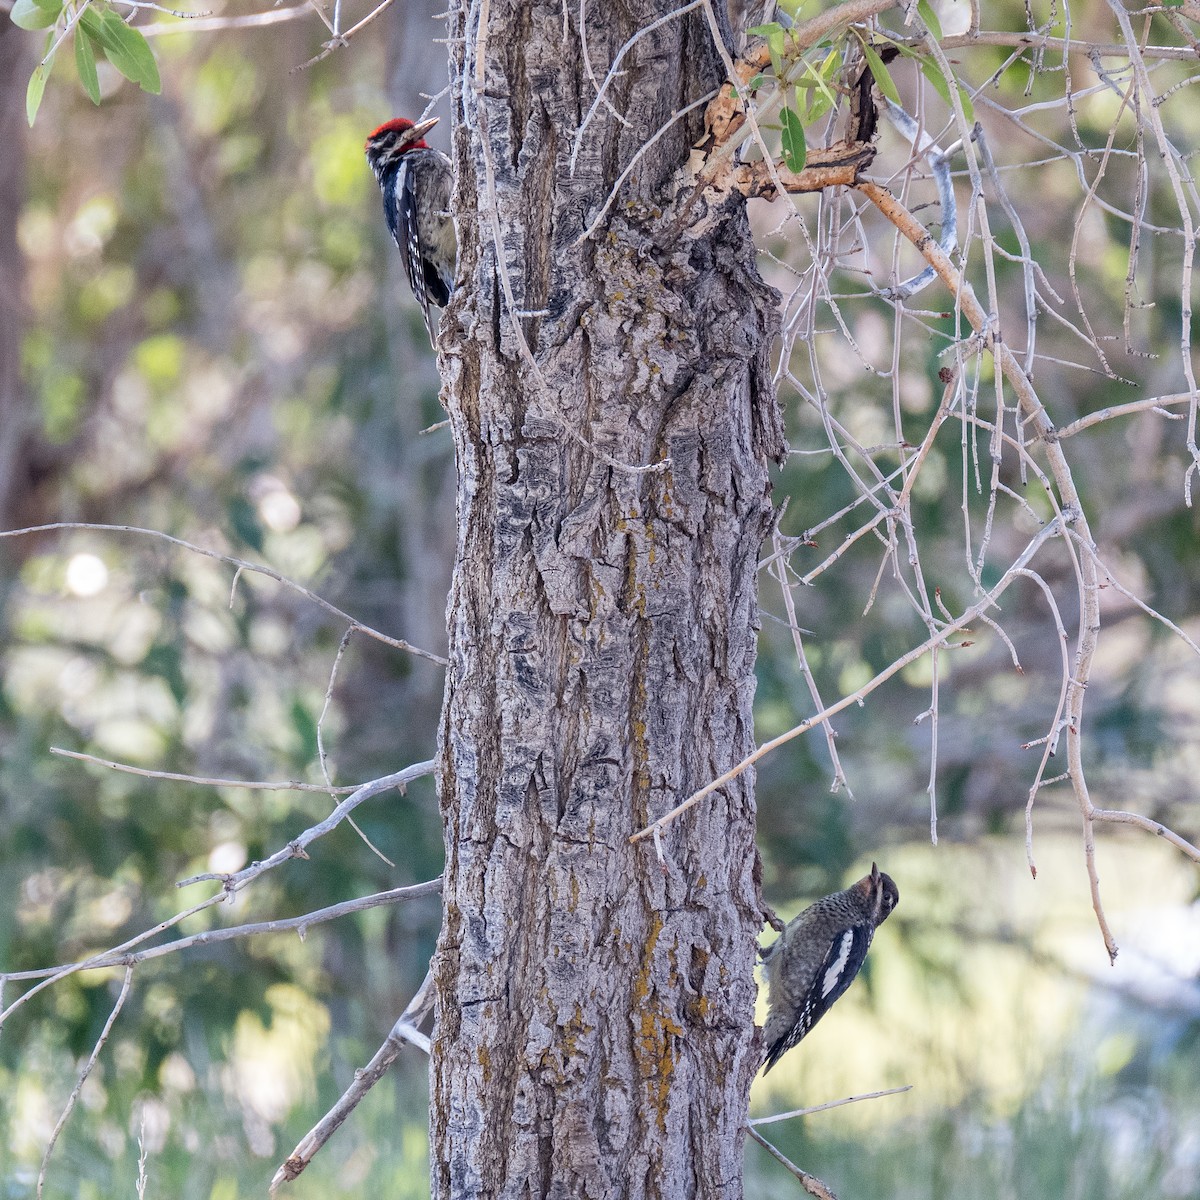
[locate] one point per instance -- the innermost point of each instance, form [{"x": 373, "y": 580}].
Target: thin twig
[
  {"x": 323, "y": 758},
  {"x": 1120, "y": 817},
  {"x": 1070, "y": 511},
  {"x": 858, "y": 696},
  {"x": 68, "y": 1108},
  {"x": 1153, "y": 403},
  {"x": 780, "y": 570},
  {"x": 232, "y": 884},
  {"x": 272, "y": 16},
  {"x": 404, "y": 1030},
  {"x": 241, "y": 565},
  {"x": 810, "y": 1183},
  {"x": 816, "y": 1108},
  {"x": 613, "y": 72},
  {"x": 205, "y": 780},
  {"x": 209, "y": 937}
]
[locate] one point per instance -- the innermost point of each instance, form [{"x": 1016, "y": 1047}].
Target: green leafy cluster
[
  {"x": 810, "y": 83},
  {"x": 95, "y": 28}
]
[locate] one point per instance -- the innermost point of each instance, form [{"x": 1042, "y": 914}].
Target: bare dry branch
[
  {"x": 858, "y": 696},
  {"x": 816, "y": 1108},
  {"x": 241, "y": 565},
  {"x": 231, "y": 884},
  {"x": 811, "y": 1184},
  {"x": 68, "y": 1108},
  {"x": 250, "y": 785},
  {"x": 209, "y": 937}
]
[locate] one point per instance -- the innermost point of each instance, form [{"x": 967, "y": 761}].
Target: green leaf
[
  {"x": 85, "y": 64},
  {"x": 33, "y": 93},
  {"x": 937, "y": 81},
  {"x": 817, "y": 109},
  {"x": 795, "y": 148},
  {"x": 967, "y": 103},
  {"x": 37, "y": 82},
  {"x": 36, "y": 14},
  {"x": 773, "y": 33},
  {"x": 827, "y": 70},
  {"x": 135, "y": 51},
  {"x": 793, "y": 7},
  {"x": 882, "y": 76},
  {"x": 821, "y": 99},
  {"x": 124, "y": 47},
  {"x": 926, "y": 13}
]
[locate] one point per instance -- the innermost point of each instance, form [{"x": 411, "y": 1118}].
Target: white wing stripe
[{"x": 834, "y": 973}]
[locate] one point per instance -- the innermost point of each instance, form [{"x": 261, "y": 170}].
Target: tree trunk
[{"x": 594, "y": 1022}]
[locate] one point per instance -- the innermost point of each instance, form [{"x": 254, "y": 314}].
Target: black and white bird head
[{"x": 386, "y": 147}]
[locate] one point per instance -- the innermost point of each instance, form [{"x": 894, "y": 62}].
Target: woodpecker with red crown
[
  {"x": 416, "y": 181},
  {"x": 817, "y": 957}
]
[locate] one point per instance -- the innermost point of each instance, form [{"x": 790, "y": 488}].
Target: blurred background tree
[{"x": 203, "y": 331}]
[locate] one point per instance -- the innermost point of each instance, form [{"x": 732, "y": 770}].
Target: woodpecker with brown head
[
  {"x": 817, "y": 957},
  {"x": 416, "y": 182}
]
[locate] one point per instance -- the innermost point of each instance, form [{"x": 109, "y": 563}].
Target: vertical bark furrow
[{"x": 594, "y": 1032}]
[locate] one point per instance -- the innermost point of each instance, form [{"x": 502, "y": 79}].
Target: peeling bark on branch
[{"x": 594, "y": 1033}]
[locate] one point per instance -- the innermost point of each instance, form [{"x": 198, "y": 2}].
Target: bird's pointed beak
[{"x": 421, "y": 128}]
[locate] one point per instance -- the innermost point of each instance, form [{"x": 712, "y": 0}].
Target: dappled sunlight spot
[
  {"x": 91, "y": 227},
  {"x": 32, "y": 1115},
  {"x": 210, "y": 391},
  {"x": 150, "y": 1122},
  {"x": 336, "y": 162},
  {"x": 269, "y": 636},
  {"x": 130, "y": 740},
  {"x": 128, "y": 1056},
  {"x": 41, "y": 891},
  {"x": 282, "y": 341},
  {"x": 1115, "y": 1052},
  {"x": 356, "y": 1168},
  {"x": 176, "y": 1074},
  {"x": 210, "y": 630},
  {"x": 38, "y": 232},
  {"x": 300, "y": 554},
  {"x": 109, "y": 910},
  {"x": 133, "y": 632},
  {"x": 227, "y": 857},
  {"x": 130, "y": 396},
  {"x": 273, "y": 1065},
  {"x": 160, "y": 359},
  {"x": 106, "y": 291},
  {"x": 79, "y": 676},
  {"x": 164, "y": 1011},
  {"x": 224, "y": 88},
  {"x": 86, "y": 575},
  {"x": 278, "y": 509},
  {"x": 94, "y": 1095}
]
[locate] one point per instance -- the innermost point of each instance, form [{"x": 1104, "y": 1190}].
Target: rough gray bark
[{"x": 594, "y": 1022}]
